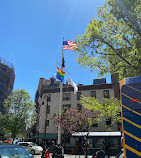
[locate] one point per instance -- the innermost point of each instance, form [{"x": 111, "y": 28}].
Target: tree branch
[
  {"x": 117, "y": 52},
  {"x": 101, "y": 53}
]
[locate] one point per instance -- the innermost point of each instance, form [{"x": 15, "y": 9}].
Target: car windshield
[
  {"x": 33, "y": 144},
  {"x": 14, "y": 152}
]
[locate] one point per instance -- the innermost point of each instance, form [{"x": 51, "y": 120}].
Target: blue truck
[{"x": 131, "y": 116}]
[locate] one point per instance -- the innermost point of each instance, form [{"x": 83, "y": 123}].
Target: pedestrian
[
  {"x": 60, "y": 151},
  {"x": 43, "y": 144}
]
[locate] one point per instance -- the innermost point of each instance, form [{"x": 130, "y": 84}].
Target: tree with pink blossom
[{"x": 73, "y": 120}]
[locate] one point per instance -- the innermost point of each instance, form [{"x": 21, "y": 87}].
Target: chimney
[
  {"x": 52, "y": 80},
  {"x": 114, "y": 79}
]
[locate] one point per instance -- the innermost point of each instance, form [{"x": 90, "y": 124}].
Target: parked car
[
  {"x": 121, "y": 154},
  {"x": 31, "y": 147},
  {"x": 8, "y": 141},
  {"x": 11, "y": 150}
]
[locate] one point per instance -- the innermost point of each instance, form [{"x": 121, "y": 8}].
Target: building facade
[
  {"x": 48, "y": 100},
  {"x": 7, "y": 77}
]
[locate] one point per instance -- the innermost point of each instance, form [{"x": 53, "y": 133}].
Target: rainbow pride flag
[{"x": 60, "y": 74}]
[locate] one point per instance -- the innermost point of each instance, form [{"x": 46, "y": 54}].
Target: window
[
  {"x": 95, "y": 124},
  {"x": 47, "y": 123},
  {"x": 3, "y": 69},
  {"x": 1, "y": 81},
  {"x": 67, "y": 106},
  {"x": 98, "y": 143},
  {"x": 93, "y": 94},
  {"x": 23, "y": 144},
  {"x": 79, "y": 107},
  {"x": 108, "y": 121},
  {"x": 48, "y": 109},
  {"x": 78, "y": 95},
  {"x": 67, "y": 139},
  {"x": 114, "y": 143},
  {"x": 49, "y": 98},
  {"x": 66, "y": 96},
  {"x": 106, "y": 94}
]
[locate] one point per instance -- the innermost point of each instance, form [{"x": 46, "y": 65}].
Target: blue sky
[{"x": 31, "y": 34}]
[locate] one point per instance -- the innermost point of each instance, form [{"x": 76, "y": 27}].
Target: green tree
[
  {"x": 20, "y": 113},
  {"x": 109, "y": 110},
  {"x": 111, "y": 43},
  {"x": 106, "y": 108},
  {"x": 129, "y": 11}
]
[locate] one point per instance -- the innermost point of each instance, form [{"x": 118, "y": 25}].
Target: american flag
[{"x": 68, "y": 45}]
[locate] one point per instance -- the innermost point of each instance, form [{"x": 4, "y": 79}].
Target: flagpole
[{"x": 60, "y": 107}]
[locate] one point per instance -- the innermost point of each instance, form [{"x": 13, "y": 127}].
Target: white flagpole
[{"x": 60, "y": 107}]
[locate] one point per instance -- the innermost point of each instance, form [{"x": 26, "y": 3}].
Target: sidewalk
[
  {"x": 76, "y": 156},
  {"x": 70, "y": 156},
  {"x": 80, "y": 156}
]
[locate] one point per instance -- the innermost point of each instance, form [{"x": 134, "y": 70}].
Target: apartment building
[
  {"x": 7, "y": 77},
  {"x": 48, "y": 100}
]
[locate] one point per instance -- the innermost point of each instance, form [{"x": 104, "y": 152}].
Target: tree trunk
[
  {"x": 64, "y": 141},
  {"x": 86, "y": 142},
  {"x": 14, "y": 135}
]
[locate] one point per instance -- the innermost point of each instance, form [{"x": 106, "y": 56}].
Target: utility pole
[{"x": 60, "y": 107}]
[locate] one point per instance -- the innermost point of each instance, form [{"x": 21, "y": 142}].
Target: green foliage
[
  {"x": 106, "y": 108},
  {"x": 111, "y": 43},
  {"x": 20, "y": 113}
]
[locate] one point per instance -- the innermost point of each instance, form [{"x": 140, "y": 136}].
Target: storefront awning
[
  {"x": 48, "y": 135},
  {"x": 96, "y": 134}
]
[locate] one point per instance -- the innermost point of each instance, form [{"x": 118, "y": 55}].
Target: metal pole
[{"x": 60, "y": 107}]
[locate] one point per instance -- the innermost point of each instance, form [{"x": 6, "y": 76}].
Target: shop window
[
  {"x": 98, "y": 143},
  {"x": 67, "y": 139}
]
